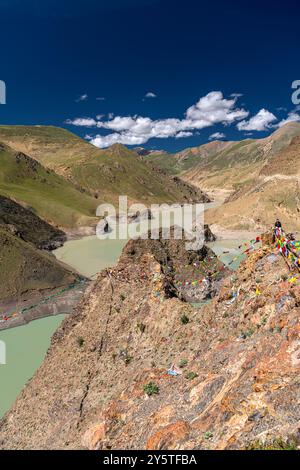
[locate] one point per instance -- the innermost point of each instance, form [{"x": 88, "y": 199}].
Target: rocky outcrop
[
  {"x": 24, "y": 223},
  {"x": 208, "y": 235},
  {"x": 27, "y": 272},
  {"x": 105, "y": 384}
]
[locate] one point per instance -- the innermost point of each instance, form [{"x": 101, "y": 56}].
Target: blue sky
[{"x": 88, "y": 66}]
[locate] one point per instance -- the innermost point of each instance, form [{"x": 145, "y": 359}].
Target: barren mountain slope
[
  {"x": 275, "y": 192},
  {"x": 240, "y": 163}
]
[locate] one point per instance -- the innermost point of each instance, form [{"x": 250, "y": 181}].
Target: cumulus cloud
[
  {"x": 293, "y": 116},
  {"x": 262, "y": 121},
  {"x": 82, "y": 122},
  {"x": 217, "y": 135},
  {"x": 136, "y": 130},
  {"x": 182, "y": 134},
  {"x": 212, "y": 109},
  {"x": 82, "y": 98},
  {"x": 150, "y": 94}
]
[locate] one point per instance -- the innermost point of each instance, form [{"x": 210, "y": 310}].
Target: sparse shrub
[
  {"x": 191, "y": 375},
  {"x": 263, "y": 321},
  {"x": 151, "y": 389},
  {"x": 80, "y": 341},
  {"x": 122, "y": 296},
  {"x": 208, "y": 435},
  {"x": 141, "y": 327},
  {"x": 246, "y": 334},
  {"x": 128, "y": 359},
  {"x": 284, "y": 277},
  {"x": 183, "y": 363},
  {"x": 184, "y": 319},
  {"x": 125, "y": 356}
]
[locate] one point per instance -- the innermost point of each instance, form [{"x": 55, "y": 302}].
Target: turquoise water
[{"x": 26, "y": 347}]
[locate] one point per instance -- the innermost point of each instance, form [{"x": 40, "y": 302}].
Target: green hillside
[
  {"x": 104, "y": 174},
  {"x": 54, "y": 199}
]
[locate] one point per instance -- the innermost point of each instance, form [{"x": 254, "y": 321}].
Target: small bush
[
  {"x": 128, "y": 359},
  {"x": 80, "y": 341},
  {"x": 141, "y": 327},
  {"x": 246, "y": 334},
  {"x": 208, "y": 435},
  {"x": 122, "y": 296},
  {"x": 263, "y": 321},
  {"x": 151, "y": 389},
  {"x": 182, "y": 363},
  {"x": 184, "y": 319},
  {"x": 191, "y": 375}
]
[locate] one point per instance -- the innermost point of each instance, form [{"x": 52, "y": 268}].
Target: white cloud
[
  {"x": 212, "y": 109},
  {"x": 136, "y": 130},
  {"x": 150, "y": 94},
  {"x": 82, "y": 98},
  {"x": 82, "y": 122},
  {"x": 110, "y": 139},
  {"x": 100, "y": 98},
  {"x": 217, "y": 135},
  {"x": 293, "y": 116},
  {"x": 184, "y": 134},
  {"x": 260, "y": 122}
]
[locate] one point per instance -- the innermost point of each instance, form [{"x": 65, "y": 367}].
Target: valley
[{"x": 140, "y": 307}]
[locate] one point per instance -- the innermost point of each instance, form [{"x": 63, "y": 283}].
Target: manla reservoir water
[{"x": 26, "y": 347}]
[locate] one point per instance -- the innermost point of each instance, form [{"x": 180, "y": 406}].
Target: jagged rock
[
  {"x": 103, "y": 227},
  {"x": 208, "y": 235}
]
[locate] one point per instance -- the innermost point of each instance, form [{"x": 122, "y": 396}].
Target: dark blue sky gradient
[{"x": 52, "y": 52}]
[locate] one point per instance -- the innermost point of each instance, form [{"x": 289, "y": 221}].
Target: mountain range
[{"x": 257, "y": 178}]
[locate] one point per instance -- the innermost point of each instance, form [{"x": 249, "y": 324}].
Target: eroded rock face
[
  {"x": 23, "y": 223},
  {"x": 192, "y": 276},
  {"x": 237, "y": 359}
]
